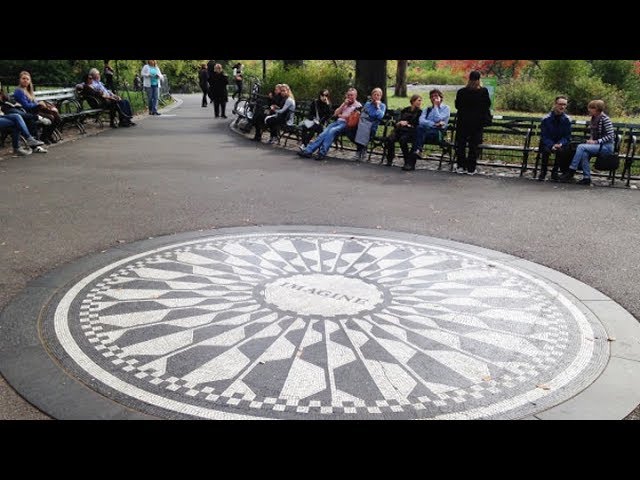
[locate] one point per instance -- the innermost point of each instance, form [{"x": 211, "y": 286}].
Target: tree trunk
[
  {"x": 371, "y": 74},
  {"x": 292, "y": 63},
  {"x": 401, "y": 79}
]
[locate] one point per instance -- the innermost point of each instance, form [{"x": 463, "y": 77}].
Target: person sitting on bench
[{"x": 122, "y": 106}]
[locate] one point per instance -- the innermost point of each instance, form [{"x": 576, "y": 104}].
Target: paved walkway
[{"x": 304, "y": 289}]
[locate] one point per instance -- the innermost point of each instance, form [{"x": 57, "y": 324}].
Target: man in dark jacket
[{"x": 555, "y": 137}]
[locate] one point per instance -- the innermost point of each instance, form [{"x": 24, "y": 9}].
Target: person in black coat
[
  {"x": 203, "y": 81},
  {"x": 473, "y": 105},
  {"x": 319, "y": 113},
  {"x": 218, "y": 82}
]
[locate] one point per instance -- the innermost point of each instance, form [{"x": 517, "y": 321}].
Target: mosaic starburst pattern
[{"x": 321, "y": 325}]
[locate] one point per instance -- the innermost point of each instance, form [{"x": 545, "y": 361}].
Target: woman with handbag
[
  {"x": 601, "y": 141},
  {"x": 323, "y": 142},
  {"x": 319, "y": 114},
  {"x": 370, "y": 117},
  {"x": 24, "y": 95}
]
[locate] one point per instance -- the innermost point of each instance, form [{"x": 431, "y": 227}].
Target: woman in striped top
[{"x": 601, "y": 140}]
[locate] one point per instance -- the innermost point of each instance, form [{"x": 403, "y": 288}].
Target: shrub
[
  {"x": 559, "y": 75},
  {"x": 586, "y": 89},
  {"x": 306, "y": 81},
  {"x": 524, "y": 96},
  {"x": 435, "y": 77}
]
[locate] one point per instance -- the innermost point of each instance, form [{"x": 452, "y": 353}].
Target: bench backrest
[{"x": 55, "y": 96}]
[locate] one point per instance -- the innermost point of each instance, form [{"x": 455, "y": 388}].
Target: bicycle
[{"x": 244, "y": 107}]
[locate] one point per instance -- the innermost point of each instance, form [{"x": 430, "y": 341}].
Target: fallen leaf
[
  {"x": 611, "y": 339},
  {"x": 487, "y": 378},
  {"x": 543, "y": 386}
]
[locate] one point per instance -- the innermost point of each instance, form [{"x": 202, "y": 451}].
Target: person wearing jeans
[
  {"x": 601, "y": 140},
  {"x": 151, "y": 78},
  {"x": 432, "y": 124},
  {"x": 18, "y": 127},
  {"x": 323, "y": 142}
]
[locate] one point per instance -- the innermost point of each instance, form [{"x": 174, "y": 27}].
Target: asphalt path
[{"x": 186, "y": 171}]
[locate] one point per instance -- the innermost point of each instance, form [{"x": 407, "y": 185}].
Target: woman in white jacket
[{"x": 151, "y": 78}]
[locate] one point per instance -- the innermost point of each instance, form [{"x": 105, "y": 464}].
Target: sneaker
[
  {"x": 43, "y": 120},
  {"x": 273, "y": 141},
  {"x": 21, "y": 152},
  {"x": 40, "y": 150},
  {"x": 585, "y": 181},
  {"x": 302, "y": 147},
  {"x": 471, "y": 173},
  {"x": 32, "y": 142},
  {"x": 304, "y": 154},
  {"x": 460, "y": 170}
]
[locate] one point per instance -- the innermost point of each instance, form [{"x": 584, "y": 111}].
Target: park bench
[
  {"x": 507, "y": 142},
  {"x": 96, "y": 108},
  {"x": 631, "y": 141},
  {"x": 294, "y": 131},
  {"x": 580, "y": 133},
  {"x": 65, "y": 102},
  {"x": 69, "y": 108}
]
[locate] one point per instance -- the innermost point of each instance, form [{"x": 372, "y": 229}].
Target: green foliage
[
  {"x": 306, "y": 82},
  {"x": 559, "y": 74},
  {"x": 434, "y": 77},
  {"x": 524, "y": 96},
  {"x": 614, "y": 72},
  {"x": 586, "y": 89}
]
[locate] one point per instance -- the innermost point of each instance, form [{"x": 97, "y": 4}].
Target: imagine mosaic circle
[{"x": 322, "y": 325}]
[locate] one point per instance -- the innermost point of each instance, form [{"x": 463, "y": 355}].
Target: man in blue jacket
[{"x": 555, "y": 137}]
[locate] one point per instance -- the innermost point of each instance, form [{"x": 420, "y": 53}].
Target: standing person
[
  {"x": 151, "y": 78},
  {"x": 108, "y": 74},
  {"x": 601, "y": 140},
  {"x": 473, "y": 105},
  {"x": 237, "y": 78},
  {"x": 555, "y": 137},
  {"x": 218, "y": 82},
  {"x": 137, "y": 83},
  {"x": 203, "y": 81},
  {"x": 319, "y": 114}
]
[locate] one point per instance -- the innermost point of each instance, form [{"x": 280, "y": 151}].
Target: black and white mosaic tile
[{"x": 323, "y": 325}]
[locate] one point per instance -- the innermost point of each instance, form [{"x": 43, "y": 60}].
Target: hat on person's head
[{"x": 474, "y": 75}]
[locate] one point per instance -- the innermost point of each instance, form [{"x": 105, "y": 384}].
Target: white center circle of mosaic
[{"x": 323, "y": 325}]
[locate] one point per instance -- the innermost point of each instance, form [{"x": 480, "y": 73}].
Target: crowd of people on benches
[
  {"x": 37, "y": 120},
  {"x": 416, "y": 127}
]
